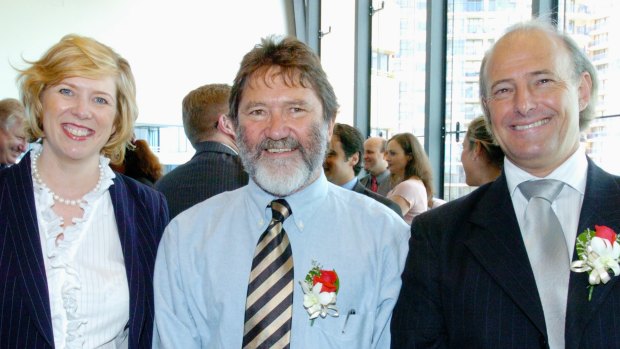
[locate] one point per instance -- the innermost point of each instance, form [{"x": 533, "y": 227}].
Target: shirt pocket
[{"x": 351, "y": 329}]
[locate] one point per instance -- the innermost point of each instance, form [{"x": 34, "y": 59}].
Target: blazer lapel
[
  {"x": 124, "y": 211},
  {"x": 600, "y": 207},
  {"x": 496, "y": 242},
  {"x": 22, "y": 218}
]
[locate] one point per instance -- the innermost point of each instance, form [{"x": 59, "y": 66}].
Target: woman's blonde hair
[
  {"x": 79, "y": 56},
  {"x": 478, "y": 130}
]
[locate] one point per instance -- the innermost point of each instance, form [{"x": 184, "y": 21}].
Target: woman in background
[
  {"x": 482, "y": 159},
  {"x": 141, "y": 163},
  {"x": 410, "y": 175},
  {"x": 78, "y": 242}
]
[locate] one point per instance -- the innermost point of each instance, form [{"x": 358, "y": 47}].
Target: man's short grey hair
[
  {"x": 11, "y": 111},
  {"x": 581, "y": 63}
]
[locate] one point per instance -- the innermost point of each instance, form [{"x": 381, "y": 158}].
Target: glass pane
[
  {"x": 398, "y": 68},
  {"x": 337, "y": 47},
  {"x": 473, "y": 25},
  {"x": 594, "y": 25}
]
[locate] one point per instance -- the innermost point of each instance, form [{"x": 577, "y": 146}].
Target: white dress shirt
[
  {"x": 567, "y": 206},
  {"x": 87, "y": 281}
]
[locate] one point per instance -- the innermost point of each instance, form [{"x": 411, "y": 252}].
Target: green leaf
[{"x": 582, "y": 243}]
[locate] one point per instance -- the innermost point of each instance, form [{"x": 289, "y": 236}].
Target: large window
[
  {"x": 397, "y": 90},
  {"x": 594, "y": 25},
  {"x": 472, "y": 27},
  {"x": 398, "y": 68},
  {"x": 337, "y": 47}
]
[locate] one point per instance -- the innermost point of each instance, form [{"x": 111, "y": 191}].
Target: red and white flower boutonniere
[
  {"x": 599, "y": 254},
  {"x": 320, "y": 288}
]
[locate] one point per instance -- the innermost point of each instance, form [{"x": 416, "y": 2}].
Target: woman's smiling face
[{"x": 78, "y": 117}]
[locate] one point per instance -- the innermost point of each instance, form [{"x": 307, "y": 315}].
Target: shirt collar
[
  {"x": 231, "y": 148},
  {"x": 350, "y": 184},
  {"x": 572, "y": 172},
  {"x": 383, "y": 176},
  {"x": 303, "y": 203}
]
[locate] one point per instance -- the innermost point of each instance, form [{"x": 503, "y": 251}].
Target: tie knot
[
  {"x": 373, "y": 179},
  {"x": 280, "y": 210},
  {"x": 547, "y": 189}
]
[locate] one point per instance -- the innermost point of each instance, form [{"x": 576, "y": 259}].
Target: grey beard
[{"x": 282, "y": 177}]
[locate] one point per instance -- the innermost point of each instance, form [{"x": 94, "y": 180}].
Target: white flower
[
  {"x": 317, "y": 302},
  {"x": 602, "y": 256}
]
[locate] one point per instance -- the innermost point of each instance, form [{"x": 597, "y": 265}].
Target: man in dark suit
[
  {"x": 216, "y": 166},
  {"x": 344, "y": 162},
  {"x": 473, "y": 274},
  {"x": 378, "y": 176}
]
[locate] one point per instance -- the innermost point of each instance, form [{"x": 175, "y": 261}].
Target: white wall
[{"x": 172, "y": 46}]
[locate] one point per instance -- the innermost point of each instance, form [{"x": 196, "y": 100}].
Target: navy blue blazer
[
  {"x": 468, "y": 282},
  {"x": 214, "y": 169},
  {"x": 25, "y": 320}
]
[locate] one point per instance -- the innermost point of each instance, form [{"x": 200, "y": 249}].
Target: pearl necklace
[{"x": 57, "y": 197}]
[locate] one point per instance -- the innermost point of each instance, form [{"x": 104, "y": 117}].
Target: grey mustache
[{"x": 279, "y": 144}]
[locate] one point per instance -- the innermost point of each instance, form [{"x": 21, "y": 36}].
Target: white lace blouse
[{"x": 87, "y": 282}]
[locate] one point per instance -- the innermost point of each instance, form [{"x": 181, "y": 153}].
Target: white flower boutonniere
[
  {"x": 320, "y": 289},
  {"x": 599, "y": 254}
]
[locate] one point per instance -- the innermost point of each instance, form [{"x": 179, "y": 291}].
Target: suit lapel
[
  {"x": 494, "y": 239},
  {"x": 600, "y": 207},
  {"x": 358, "y": 187},
  {"x": 124, "y": 211},
  {"x": 22, "y": 216}
]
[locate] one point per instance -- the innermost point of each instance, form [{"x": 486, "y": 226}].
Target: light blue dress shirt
[
  {"x": 205, "y": 257},
  {"x": 350, "y": 184}
]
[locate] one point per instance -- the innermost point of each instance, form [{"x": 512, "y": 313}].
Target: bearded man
[{"x": 290, "y": 260}]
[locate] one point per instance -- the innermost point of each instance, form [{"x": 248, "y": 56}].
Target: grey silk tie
[
  {"x": 269, "y": 304},
  {"x": 548, "y": 254}
]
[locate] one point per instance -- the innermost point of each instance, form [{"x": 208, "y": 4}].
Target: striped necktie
[{"x": 269, "y": 304}]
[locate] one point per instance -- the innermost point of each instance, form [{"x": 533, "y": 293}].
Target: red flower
[
  {"x": 328, "y": 278},
  {"x": 604, "y": 232}
]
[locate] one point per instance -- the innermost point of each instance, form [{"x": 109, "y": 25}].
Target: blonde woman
[
  {"x": 78, "y": 241},
  {"x": 482, "y": 159}
]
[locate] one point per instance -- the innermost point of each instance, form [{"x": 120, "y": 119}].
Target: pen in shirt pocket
[{"x": 346, "y": 320}]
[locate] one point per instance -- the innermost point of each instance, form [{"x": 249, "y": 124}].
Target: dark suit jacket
[
  {"x": 359, "y": 188},
  {"x": 384, "y": 185},
  {"x": 468, "y": 282},
  {"x": 25, "y": 320},
  {"x": 214, "y": 169}
]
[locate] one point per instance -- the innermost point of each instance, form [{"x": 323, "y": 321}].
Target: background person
[
  {"x": 411, "y": 175},
  {"x": 79, "y": 241},
  {"x": 12, "y": 138},
  {"x": 140, "y": 163},
  {"x": 482, "y": 159},
  {"x": 378, "y": 176},
  {"x": 216, "y": 166},
  {"x": 485, "y": 272},
  {"x": 343, "y": 163}
]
